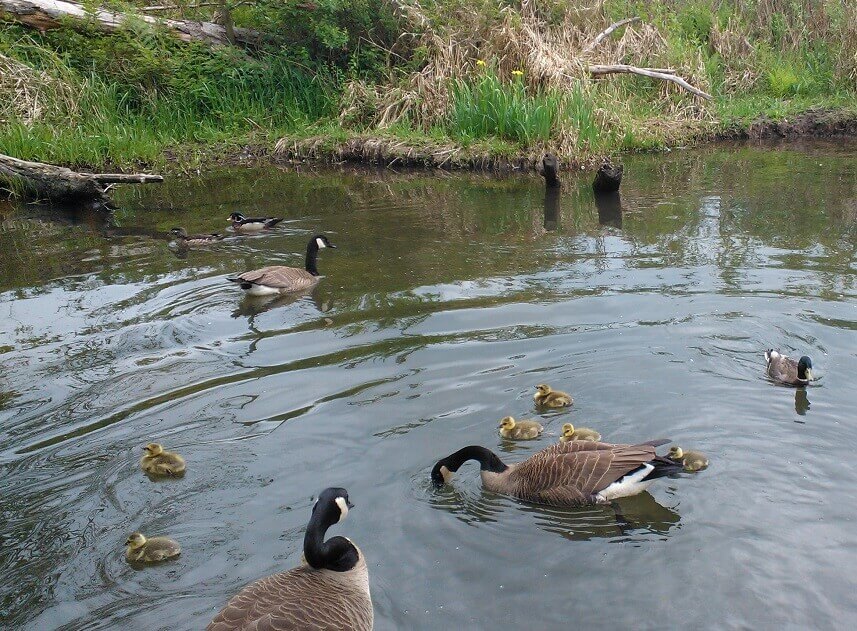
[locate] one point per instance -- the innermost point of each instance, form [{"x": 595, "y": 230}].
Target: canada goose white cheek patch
[
  {"x": 343, "y": 507},
  {"x": 446, "y": 473},
  {"x": 320, "y": 243}
]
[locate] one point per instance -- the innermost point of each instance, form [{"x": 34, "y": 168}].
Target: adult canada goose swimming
[
  {"x": 519, "y": 430},
  {"x": 570, "y": 432},
  {"x": 547, "y": 397},
  {"x": 240, "y": 223},
  {"x": 330, "y": 590},
  {"x": 278, "y": 279},
  {"x": 566, "y": 474},
  {"x": 156, "y": 461},
  {"x": 143, "y": 550},
  {"x": 185, "y": 240},
  {"x": 690, "y": 460},
  {"x": 786, "y": 370}
]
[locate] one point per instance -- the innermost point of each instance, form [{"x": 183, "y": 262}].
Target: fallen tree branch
[
  {"x": 606, "y": 32},
  {"x": 648, "y": 72},
  {"x": 52, "y": 14},
  {"x": 47, "y": 181}
]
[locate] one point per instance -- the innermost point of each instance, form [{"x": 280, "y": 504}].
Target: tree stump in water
[
  {"x": 59, "y": 184},
  {"x": 550, "y": 170},
  {"x": 608, "y": 178}
]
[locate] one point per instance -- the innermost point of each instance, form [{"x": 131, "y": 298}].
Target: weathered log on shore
[
  {"x": 52, "y": 14},
  {"x": 608, "y": 178},
  {"x": 47, "y": 181}
]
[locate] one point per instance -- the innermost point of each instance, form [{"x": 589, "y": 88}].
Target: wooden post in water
[{"x": 608, "y": 178}]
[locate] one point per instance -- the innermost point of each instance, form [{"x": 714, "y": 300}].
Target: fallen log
[
  {"x": 59, "y": 184},
  {"x": 647, "y": 72},
  {"x": 46, "y": 15}
]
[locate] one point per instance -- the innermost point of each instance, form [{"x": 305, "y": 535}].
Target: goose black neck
[
  {"x": 311, "y": 257},
  {"x": 488, "y": 460},
  {"x": 337, "y": 553}
]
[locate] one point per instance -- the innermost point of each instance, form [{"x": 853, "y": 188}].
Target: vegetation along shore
[{"x": 448, "y": 83}]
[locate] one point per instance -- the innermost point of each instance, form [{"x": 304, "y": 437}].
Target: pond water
[{"x": 448, "y": 299}]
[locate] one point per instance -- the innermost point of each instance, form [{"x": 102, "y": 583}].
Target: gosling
[
  {"x": 154, "y": 550},
  {"x": 570, "y": 432},
  {"x": 519, "y": 430},
  {"x": 546, "y": 397},
  {"x": 691, "y": 460},
  {"x": 160, "y": 462}
]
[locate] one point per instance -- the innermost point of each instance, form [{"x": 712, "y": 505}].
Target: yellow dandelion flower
[
  {"x": 480, "y": 62},
  {"x": 518, "y": 73}
]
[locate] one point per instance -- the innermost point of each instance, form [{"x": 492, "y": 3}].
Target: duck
[
  {"x": 240, "y": 223},
  {"x": 160, "y": 462},
  {"x": 278, "y": 279},
  {"x": 519, "y": 430},
  {"x": 547, "y": 397},
  {"x": 328, "y": 590},
  {"x": 788, "y": 371},
  {"x": 185, "y": 240},
  {"x": 574, "y": 473},
  {"x": 570, "y": 432},
  {"x": 151, "y": 550},
  {"x": 690, "y": 460}
]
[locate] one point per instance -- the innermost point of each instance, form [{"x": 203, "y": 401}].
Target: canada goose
[
  {"x": 690, "y": 460},
  {"x": 519, "y": 430},
  {"x": 185, "y": 240},
  {"x": 143, "y": 550},
  {"x": 547, "y": 397},
  {"x": 160, "y": 462},
  {"x": 278, "y": 279},
  {"x": 329, "y": 590},
  {"x": 786, "y": 370},
  {"x": 566, "y": 474},
  {"x": 240, "y": 223},
  {"x": 570, "y": 432}
]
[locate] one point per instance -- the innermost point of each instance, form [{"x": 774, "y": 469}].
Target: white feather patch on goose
[
  {"x": 630, "y": 484},
  {"x": 343, "y": 507}
]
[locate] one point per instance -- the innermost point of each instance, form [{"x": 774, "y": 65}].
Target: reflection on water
[
  {"x": 609, "y": 209},
  {"x": 449, "y": 299}
]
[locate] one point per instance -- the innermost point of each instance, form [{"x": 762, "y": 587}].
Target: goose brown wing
[
  {"x": 297, "y": 599},
  {"x": 280, "y": 277},
  {"x": 573, "y": 472}
]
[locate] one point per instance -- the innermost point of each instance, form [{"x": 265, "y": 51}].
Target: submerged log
[
  {"x": 59, "y": 184},
  {"x": 608, "y": 178},
  {"x": 550, "y": 170},
  {"x": 52, "y": 14}
]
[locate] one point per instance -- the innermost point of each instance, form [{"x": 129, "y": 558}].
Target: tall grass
[
  {"x": 90, "y": 118},
  {"x": 488, "y": 107}
]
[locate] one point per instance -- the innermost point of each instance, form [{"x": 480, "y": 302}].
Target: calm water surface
[{"x": 448, "y": 299}]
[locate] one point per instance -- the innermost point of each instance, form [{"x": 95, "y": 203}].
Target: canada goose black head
[
  {"x": 442, "y": 471},
  {"x": 804, "y": 368},
  {"x": 337, "y": 553},
  {"x": 320, "y": 241}
]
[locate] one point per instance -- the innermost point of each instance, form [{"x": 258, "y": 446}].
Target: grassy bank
[{"x": 484, "y": 78}]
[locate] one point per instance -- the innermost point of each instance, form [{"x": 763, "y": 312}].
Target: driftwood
[
  {"x": 654, "y": 73},
  {"x": 54, "y": 183},
  {"x": 608, "y": 178},
  {"x": 52, "y": 14},
  {"x": 606, "y": 33}
]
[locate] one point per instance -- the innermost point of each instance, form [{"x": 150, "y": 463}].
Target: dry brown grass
[
  {"x": 28, "y": 95},
  {"x": 542, "y": 38}
]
